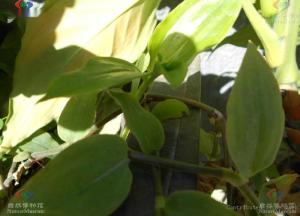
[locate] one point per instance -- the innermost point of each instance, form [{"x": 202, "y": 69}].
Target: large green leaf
[
  {"x": 190, "y": 28},
  {"x": 143, "y": 124},
  {"x": 90, "y": 177},
  {"x": 255, "y": 116},
  {"x": 62, "y": 39},
  {"x": 192, "y": 203},
  {"x": 78, "y": 117},
  {"x": 98, "y": 74}
]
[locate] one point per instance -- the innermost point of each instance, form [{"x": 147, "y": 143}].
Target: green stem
[
  {"x": 280, "y": 19},
  {"x": 288, "y": 72},
  {"x": 247, "y": 192},
  {"x": 221, "y": 173},
  {"x": 212, "y": 112},
  {"x": 3, "y": 192},
  {"x": 193, "y": 103},
  {"x": 159, "y": 199},
  {"x": 125, "y": 133},
  {"x": 266, "y": 34},
  {"x": 145, "y": 85}
]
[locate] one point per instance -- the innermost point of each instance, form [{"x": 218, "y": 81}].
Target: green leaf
[
  {"x": 21, "y": 156},
  {"x": 192, "y": 27},
  {"x": 106, "y": 110},
  {"x": 144, "y": 125},
  {"x": 1, "y": 123},
  {"x": 242, "y": 37},
  {"x": 97, "y": 75},
  {"x": 91, "y": 177},
  {"x": 61, "y": 40},
  {"x": 181, "y": 140},
  {"x": 209, "y": 144},
  {"x": 42, "y": 142},
  {"x": 255, "y": 116},
  {"x": 283, "y": 183},
  {"x": 170, "y": 108},
  {"x": 192, "y": 203},
  {"x": 77, "y": 118},
  {"x": 5, "y": 89}
]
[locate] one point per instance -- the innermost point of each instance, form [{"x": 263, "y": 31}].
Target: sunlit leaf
[
  {"x": 39, "y": 143},
  {"x": 255, "y": 116},
  {"x": 192, "y": 27},
  {"x": 93, "y": 178},
  {"x": 62, "y": 39},
  {"x": 21, "y": 156},
  {"x": 270, "y": 7},
  {"x": 144, "y": 125}
]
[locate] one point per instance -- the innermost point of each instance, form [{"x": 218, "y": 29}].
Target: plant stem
[
  {"x": 247, "y": 192},
  {"x": 159, "y": 199},
  {"x": 193, "y": 103},
  {"x": 145, "y": 85},
  {"x": 221, "y": 173},
  {"x": 125, "y": 133},
  {"x": 288, "y": 72},
  {"x": 266, "y": 34},
  {"x": 219, "y": 123}
]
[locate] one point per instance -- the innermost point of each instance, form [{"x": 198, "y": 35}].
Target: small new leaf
[
  {"x": 169, "y": 109},
  {"x": 144, "y": 125}
]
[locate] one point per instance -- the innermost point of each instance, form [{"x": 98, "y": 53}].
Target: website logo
[
  {"x": 26, "y": 195},
  {"x": 28, "y": 8},
  {"x": 278, "y": 4},
  {"x": 273, "y": 194}
]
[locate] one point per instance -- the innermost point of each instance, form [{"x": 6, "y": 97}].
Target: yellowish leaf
[{"x": 64, "y": 38}]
